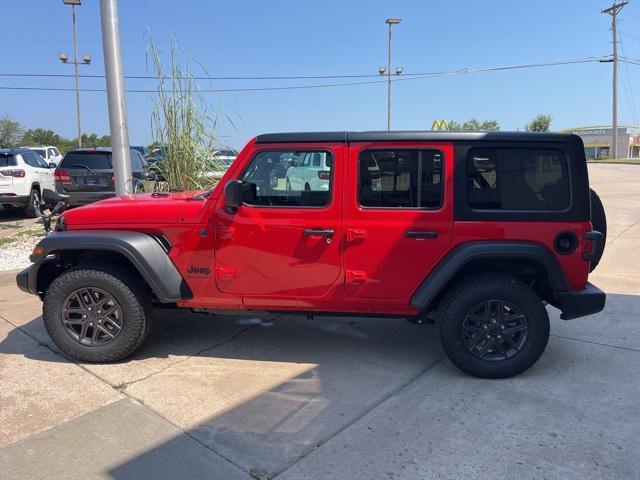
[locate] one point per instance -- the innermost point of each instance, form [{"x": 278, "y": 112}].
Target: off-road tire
[
  {"x": 599, "y": 222},
  {"x": 463, "y": 298},
  {"x": 125, "y": 286},
  {"x": 34, "y": 199}
]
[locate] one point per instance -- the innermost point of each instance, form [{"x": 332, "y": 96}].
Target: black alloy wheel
[
  {"x": 495, "y": 330},
  {"x": 92, "y": 316}
]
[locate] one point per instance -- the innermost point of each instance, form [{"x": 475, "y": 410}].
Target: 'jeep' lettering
[{"x": 194, "y": 270}]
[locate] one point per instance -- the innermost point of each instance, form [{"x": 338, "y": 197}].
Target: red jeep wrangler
[{"x": 473, "y": 231}]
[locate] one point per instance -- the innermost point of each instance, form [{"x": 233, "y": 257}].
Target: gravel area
[{"x": 15, "y": 255}]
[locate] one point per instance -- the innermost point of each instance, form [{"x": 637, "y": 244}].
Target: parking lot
[{"x": 338, "y": 398}]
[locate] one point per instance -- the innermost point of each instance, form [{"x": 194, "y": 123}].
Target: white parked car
[
  {"x": 310, "y": 171},
  {"x": 225, "y": 156},
  {"x": 23, "y": 176},
  {"x": 50, "y": 153}
]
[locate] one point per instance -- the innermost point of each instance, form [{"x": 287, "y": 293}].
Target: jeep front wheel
[
  {"x": 97, "y": 313},
  {"x": 493, "y": 326}
]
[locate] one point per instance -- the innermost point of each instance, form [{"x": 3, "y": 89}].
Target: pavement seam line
[
  {"x": 596, "y": 343},
  {"x": 140, "y": 402},
  {"x": 188, "y": 357},
  {"x": 135, "y": 399},
  {"x": 373, "y": 407}
]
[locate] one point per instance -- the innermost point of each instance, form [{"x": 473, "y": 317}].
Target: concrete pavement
[{"x": 229, "y": 398}]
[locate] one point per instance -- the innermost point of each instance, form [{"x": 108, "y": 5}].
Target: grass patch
[
  {"x": 7, "y": 240},
  {"x": 120, "y": 386}
]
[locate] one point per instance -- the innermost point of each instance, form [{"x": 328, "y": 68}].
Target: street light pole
[
  {"x": 86, "y": 60},
  {"x": 387, "y": 70}
]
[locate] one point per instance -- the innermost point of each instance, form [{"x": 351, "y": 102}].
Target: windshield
[{"x": 90, "y": 160}]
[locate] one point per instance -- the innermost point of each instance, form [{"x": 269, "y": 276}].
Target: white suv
[
  {"x": 23, "y": 176},
  {"x": 309, "y": 171},
  {"x": 50, "y": 153}
]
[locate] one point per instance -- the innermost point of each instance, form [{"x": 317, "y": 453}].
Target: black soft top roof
[{"x": 397, "y": 136}]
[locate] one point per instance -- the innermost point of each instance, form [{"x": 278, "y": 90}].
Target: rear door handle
[
  {"x": 310, "y": 232},
  {"x": 420, "y": 234}
]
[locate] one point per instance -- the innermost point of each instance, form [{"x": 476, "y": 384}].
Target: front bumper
[
  {"x": 27, "y": 279},
  {"x": 580, "y": 303}
]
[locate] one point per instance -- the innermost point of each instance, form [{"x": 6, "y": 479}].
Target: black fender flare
[
  {"x": 145, "y": 253},
  {"x": 461, "y": 255}
]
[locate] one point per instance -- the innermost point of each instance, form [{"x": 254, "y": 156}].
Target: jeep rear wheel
[
  {"x": 599, "y": 222},
  {"x": 493, "y": 326},
  {"x": 97, "y": 312}
]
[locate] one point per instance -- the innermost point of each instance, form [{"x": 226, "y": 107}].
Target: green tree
[
  {"x": 540, "y": 123},
  {"x": 475, "y": 125},
  {"x": 92, "y": 140},
  {"x": 40, "y": 136},
  {"x": 10, "y": 132}
]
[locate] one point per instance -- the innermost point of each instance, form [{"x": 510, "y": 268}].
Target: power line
[
  {"x": 308, "y": 77},
  {"x": 414, "y": 76}
]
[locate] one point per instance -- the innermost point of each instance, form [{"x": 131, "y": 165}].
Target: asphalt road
[{"x": 228, "y": 398}]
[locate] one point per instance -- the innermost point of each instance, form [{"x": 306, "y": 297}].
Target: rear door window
[
  {"x": 517, "y": 179},
  {"x": 400, "y": 178},
  {"x": 33, "y": 159},
  {"x": 91, "y": 161}
]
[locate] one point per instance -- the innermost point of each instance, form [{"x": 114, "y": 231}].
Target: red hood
[{"x": 145, "y": 208}]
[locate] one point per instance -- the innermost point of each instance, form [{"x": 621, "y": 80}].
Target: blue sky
[{"x": 283, "y": 37}]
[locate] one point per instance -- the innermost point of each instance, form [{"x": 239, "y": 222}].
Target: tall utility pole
[
  {"x": 613, "y": 10},
  {"x": 86, "y": 59},
  {"x": 387, "y": 70},
  {"x": 116, "y": 96}
]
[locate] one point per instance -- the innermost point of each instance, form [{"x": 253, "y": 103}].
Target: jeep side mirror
[
  {"x": 52, "y": 165},
  {"x": 233, "y": 194}
]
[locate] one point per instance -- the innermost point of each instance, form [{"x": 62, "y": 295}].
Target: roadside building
[{"x": 597, "y": 141}]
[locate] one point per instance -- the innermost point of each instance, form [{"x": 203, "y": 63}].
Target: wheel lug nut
[
  {"x": 84, "y": 315},
  {"x": 485, "y": 326},
  {"x": 488, "y": 336},
  {"x": 91, "y": 324},
  {"x": 499, "y": 336},
  {"x": 494, "y": 321},
  {"x": 99, "y": 311},
  {"x": 502, "y": 327}
]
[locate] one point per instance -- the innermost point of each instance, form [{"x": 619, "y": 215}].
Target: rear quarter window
[
  {"x": 8, "y": 160},
  {"x": 517, "y": 179},
  {"x": 93, "y": 161}
]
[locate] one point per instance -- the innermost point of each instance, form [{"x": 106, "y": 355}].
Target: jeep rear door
[
  {"x": 399, "y": 216},
  {"x": 284, "y": 241}
]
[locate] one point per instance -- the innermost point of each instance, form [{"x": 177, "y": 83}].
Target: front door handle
[
  {"x": 420, "y": 234},
  {"x": 310, "y": 232}
]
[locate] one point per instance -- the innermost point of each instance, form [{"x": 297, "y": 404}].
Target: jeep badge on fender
[
  {"x": 475, "y": 232},
  {"x": 194, "y": 270}
]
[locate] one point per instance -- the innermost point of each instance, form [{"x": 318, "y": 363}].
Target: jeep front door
[
  {"x": 284, "y": 240},
  {"x": 399, "y": 216}
]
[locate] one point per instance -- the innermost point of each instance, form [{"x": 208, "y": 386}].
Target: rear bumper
[
  {"x": 14, "y": 200},
  {"x": 77, "y": 199},
  {"x": 580, "y": 303}
]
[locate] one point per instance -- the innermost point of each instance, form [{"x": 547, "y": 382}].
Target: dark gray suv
[{"x": 86, "y": 175}]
